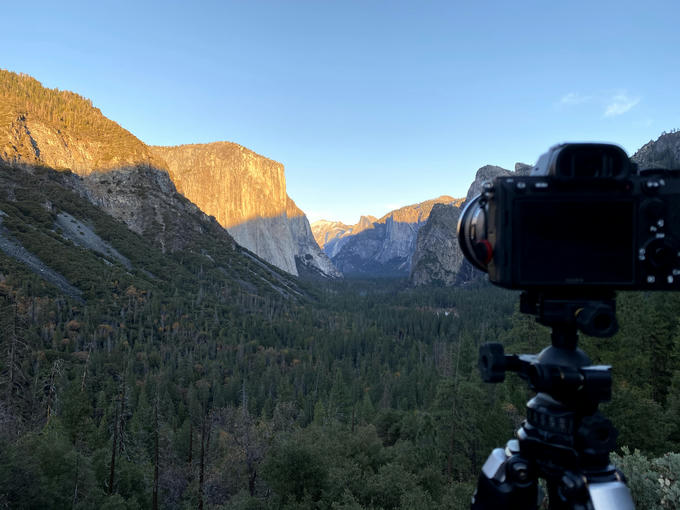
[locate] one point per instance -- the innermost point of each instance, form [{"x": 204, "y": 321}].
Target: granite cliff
[
  {"x": 437, "y": 259},
  {"x": 246, "y": 193},
  {"x": 381, "y": 247}
]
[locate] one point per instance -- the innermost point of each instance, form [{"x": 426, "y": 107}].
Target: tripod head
[
  {"x": 564, "y": 438},
  {"x": 562, "y": 370}
]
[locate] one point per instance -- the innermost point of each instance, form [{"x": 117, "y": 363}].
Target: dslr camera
[{"x": 585, "y": 218}]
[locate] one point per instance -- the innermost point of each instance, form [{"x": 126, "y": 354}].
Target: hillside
[
  {"x": 46, "y": 216},
  {"x": 244, "y": 191},
  {"x": 62, "y": 130}
]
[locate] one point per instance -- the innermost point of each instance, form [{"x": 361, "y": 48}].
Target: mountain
[
  {"x": 664, "y": 152},
  {"x": 331, "y": 236},
  {"x": 246, "y": 193},
  {"x": 112, "y": 168},
  {"x": 134, "y": 183},
  {"x": 376, "y": 247},
  {"x": 53, "y": 235},
  {"x": 437, "y": 258}
]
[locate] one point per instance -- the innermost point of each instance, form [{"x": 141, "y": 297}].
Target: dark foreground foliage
[{"x": 367, "y": 399}]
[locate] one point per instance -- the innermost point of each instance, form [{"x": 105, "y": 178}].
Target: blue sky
[{"x": 370, "y": 105}]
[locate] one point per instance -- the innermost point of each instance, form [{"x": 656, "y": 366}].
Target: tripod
[{"x": 564, "y": 439}]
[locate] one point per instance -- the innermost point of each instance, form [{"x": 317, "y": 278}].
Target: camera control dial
[
  {"x": 661, "y": 257},
  {"x": 660, "y": 254}
]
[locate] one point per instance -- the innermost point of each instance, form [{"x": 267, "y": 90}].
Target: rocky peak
[
  {"x": 437, "y": 260},
  {"x": 484, "y": 174},
  {"x": 664, "y": 152},
  {"x": 417, "y": 213},
  {"x": 523, "y": 169},
  {"x": 324, "y": 230},
  {"x": 365, "y": 222}
]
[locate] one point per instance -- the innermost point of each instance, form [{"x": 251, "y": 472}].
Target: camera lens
[{"x": 472, "y": 234}]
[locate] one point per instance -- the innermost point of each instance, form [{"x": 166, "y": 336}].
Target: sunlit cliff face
[
  {"x": 227, "y": 181},
  {"x": 246, "y": 193}
]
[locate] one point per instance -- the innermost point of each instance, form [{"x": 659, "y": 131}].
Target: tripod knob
[{"x": 492, "y": 364}]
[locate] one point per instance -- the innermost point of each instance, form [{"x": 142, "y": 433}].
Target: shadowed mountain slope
[{"x": 51, "y": 228}]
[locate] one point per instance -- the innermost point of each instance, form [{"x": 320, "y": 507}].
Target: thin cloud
[
  {"x": 620, "y": 104},
  {"x": 573, "y": 98}
]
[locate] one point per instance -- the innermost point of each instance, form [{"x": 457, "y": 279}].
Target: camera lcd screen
[{"x": 567, "y": 242}]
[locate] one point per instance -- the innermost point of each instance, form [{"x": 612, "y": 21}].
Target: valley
[{"x": 175, "y": 334}]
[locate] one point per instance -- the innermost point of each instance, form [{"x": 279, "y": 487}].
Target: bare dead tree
[
  {"x": 114, "y": 448},
  {"x": 51, "y": 388},
  {"x": 16, "y": 351},
  {"x": 206, "y": 428}
]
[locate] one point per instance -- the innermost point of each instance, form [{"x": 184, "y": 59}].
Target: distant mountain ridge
[
  {"x": 329, "y": 235},
  {"x": 245, "y": 191},
  {"x": 376, "y": 247}
]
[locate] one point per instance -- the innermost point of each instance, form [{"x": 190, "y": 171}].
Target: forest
[
  {"x": 202, "y": 379},
  {"x": 366, "y": 397}
]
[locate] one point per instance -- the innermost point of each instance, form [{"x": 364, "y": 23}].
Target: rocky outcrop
[
  {"x": 227, "y": 181},
  {"x": 437, "y": 258},
  {"x": 246, "y": 193},
  {"x": 310, "y": 260},
  {"x": 382, "y": 247},
  {"x": 664, "y": 152},
  {"x": 146, "y": 200}
]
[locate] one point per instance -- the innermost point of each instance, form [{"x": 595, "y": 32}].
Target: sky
[{"x": 370, "y": 105}]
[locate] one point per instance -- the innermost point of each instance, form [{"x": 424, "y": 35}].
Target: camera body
[{"x": 584, "y": 218}]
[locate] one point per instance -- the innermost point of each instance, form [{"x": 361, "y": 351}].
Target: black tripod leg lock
[{"x": 507, "y": 481}]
